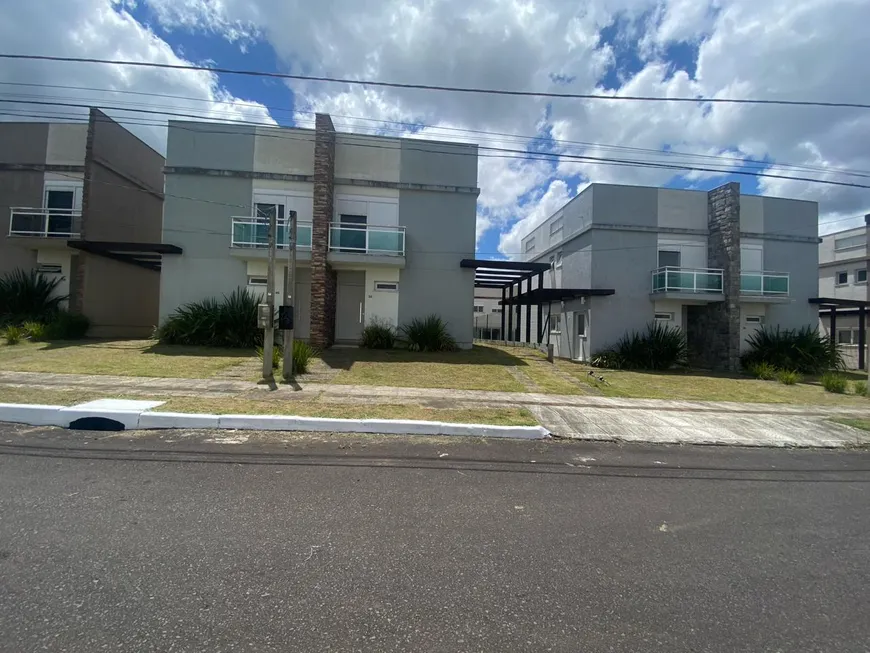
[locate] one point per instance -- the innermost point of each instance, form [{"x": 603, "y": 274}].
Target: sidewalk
[{"x": 569, "y": 416}]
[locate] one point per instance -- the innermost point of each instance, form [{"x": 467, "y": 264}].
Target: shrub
[
  {"x": 788, "y": 377},
  {"x": 28, "y": 296},
  {"x": 277, "y": 356},
  {"x": 428, "y": 334},
  {"x": 763, "y": 370},
  {"x": 228, "y": 322},
  {"x": 859, "y": 388},
  {"x": 302, "y": 355},
  {"x": 804, "y": 350},
  {"x": 378, "y": 335},
  {"x": 833, "y": 383},
  {"x": 660, "y": 347},
  {"x": 34, "y": 330},
  {"x": 12, "y": 334},
  {"x": 65, "y": 326}
]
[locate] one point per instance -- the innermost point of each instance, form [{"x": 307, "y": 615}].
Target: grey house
[
  {"x": 382, "y": 223},
  {"x": 717, "y": 264},
  {"x": 82, "y": 203}
]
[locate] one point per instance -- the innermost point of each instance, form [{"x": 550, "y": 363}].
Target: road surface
[{"x": 350, "y": 543}]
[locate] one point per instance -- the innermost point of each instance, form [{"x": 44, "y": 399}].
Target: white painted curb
[{"x": 38, "y": 415}]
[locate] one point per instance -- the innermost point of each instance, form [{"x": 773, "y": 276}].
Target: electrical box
[
  {"x": 265, "y": 316},
  {"x": 285, "y": 318}
]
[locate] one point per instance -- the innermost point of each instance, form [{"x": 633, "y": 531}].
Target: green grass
[
  {"x": 120, "y": 357},
  {"x": 242, "y": 406},
  {"x": 863, "y": 424},
  {"x": 706, "y": 386}
]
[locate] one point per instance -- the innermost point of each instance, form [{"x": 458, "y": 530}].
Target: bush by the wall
[
  {"x": 12, "y": 335},
  {"x": 378, "y": 335},
  {"x": 28, "y": 296},
  {"x": 660, "y": 347},
  {"x": 788, "y": 377},
  {"x": 227, "y": 322},
  {"x": 833, "y": 382},
  {"x": 428, "y": 334},
  {"x": 763, "y": 371},
  {"x": 804, "y": 350},
  {"x": 859, "y": 388},
  {"x": 63, "y": 326},
  {"x": 35, "y": 331},
  {"x": 302, "y": 355}
]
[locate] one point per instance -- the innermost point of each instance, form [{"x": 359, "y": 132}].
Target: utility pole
[
  {"x": 289, "y": 301},
  {"x": 268, "y": 320}
]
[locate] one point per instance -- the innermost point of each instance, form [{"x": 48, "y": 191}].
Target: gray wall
[
  {"x": 23, "y": 142},
  {"x": 427, "y": 162},
  {"x": 208, "y": 145},
  {"x": 440, "y": 231},
  {"x": 634, "y": 205}
]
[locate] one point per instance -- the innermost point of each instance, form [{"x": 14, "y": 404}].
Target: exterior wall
[
  {"x": 323, "y": 277},
  {"x": 440, "y": 231},
  {"x": 283, "y": 151},
  {"x": 23, "y": 143},
  {"x": 373, "y": 158},
  {"x": 381, "y": 305},
  {"x": 438, "y": 164},
  {"x": 208, "y": 145},
  {"x": 66, "y": 144},
  {"x": 848, "y": 260},
  {"x": 682, "y": 209},
  {"x": 63, "y": 258}
]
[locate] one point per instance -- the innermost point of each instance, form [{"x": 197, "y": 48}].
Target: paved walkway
[{"x": 570, "y": 416}]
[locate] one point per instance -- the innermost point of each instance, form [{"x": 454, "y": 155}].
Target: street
[{"x": 178, "y": 542}]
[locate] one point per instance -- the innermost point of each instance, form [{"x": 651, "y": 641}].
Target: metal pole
[
  {"x": 289, "y": 294},
  {"x": 540, "y": 310},
  {"x": 861, "y": 338},
  {"x": 269, "y": 335},
  {"x": 501, "y": 334},
  {"x": 510, "y": 310},
  {"x": 529, "y": 312}
]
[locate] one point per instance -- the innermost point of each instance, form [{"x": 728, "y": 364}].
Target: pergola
[
  {"x": 507, "y": 274},
  {"x": 831, "y": 304}
]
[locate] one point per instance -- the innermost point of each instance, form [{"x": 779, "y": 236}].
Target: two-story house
[
  {"x": 717, "y": 264},
  {"x": 382, "y": 223},
  {"x": 843, "y": 261},
  {"x": 83, "y": 204}
]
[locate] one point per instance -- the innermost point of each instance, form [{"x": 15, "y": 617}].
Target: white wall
[
  {"x": 66, "y": 144},
  {"x": 284, "y": 151},
  {"x": 379, "y": 210},
  {"x": 752, "y": 255},
  {"x": 63, "y": 259},
  {"x": 297, "y": 197},
  {"x": 684, "y": 209},
  {"x": 693, "y": 249},
  {"x": 382, "y": 305},
  {"x": 671, "y": 306},
  {"x": 747, "y": 329}
]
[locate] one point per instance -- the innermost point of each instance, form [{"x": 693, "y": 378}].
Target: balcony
[
  {"x": 764, "y": 285},
  {"x": 253, "y": 233},
  {"x": 30, "y": 222},
  {"x": 367, "y": 239},
  {"x": 688, "y": 281}
]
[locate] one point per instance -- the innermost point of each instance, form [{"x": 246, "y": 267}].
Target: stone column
[
  {"x": 323, "y": 278},
  {"x": 78, "y": 273},
  {"x": 723, "y": 251}
]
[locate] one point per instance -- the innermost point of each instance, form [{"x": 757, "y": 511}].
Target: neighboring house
[
  {"x": 382, "y": 223},
  {"x": 487, "y": 313},
  {"x": 719, "y": 265},
  {"x": 843, "y": 258},
  {"x": 84, "y": 203}
]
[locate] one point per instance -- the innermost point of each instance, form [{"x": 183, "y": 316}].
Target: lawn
[
  {"x": 243, "y": 406},
  {"x": 120, "y": 357},
  {"x": 706, "y": 386},
  {"x": 863, "y": 424}
]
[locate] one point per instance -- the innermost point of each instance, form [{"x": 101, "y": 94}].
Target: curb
[{"x": 63, "y": 416}]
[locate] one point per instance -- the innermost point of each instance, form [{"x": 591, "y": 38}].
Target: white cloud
[
  {"x": 534, "y": 213},
  {"x": 104, "y": 29}
]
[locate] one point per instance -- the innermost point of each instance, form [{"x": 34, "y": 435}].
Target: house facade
[
  {"x": 716, "y": 264},
  {"x": 382, "y": 224},
  {"x": 843, "y": 262},
  {"x": 83, "y": 203}
]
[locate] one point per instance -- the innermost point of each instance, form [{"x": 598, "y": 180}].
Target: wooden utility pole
[
  {"x": 289, "y": 299},
  {"x": 269, "y": 327}
]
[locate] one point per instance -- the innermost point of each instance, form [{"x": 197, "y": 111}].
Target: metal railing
[
  {"x": 687, "y": 280},
  {"x": 764, "y": 283},
  {"x": 44, "y": 223},
  {"x": 367, "y": 239},
  {"x": 253, "y": 232}
]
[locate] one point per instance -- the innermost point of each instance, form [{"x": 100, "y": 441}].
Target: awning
[
  {"x": 144, "y": 255},
  {"x": 548, "y": 295},
  {"x": 829, "y": 302},
  {"x": 501, "y": 274}
]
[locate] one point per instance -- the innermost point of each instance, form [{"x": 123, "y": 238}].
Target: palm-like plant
[{"x": 28, "y": 296}]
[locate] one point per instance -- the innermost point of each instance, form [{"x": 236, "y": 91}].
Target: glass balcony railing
[
  {"x": 44, "y": 223},
  {"x": 367, "y": 239},
  {"x": 764, "y": 283},
  {"x": 254, "y": 233},
  {"x": 686, "y": 280}
]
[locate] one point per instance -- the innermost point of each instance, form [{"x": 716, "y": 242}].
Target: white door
[{"x": 579, "y": 335}]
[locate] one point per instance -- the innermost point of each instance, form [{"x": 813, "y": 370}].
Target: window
[
  {"x": 496, "y": 310},
  {"x": 268, "y": 209},
  {"x": 664, "y": 317},
  {"x": 861, "y": 275},
  {"x": 755, "y": 319},
  {"x": 530, "y": 245},
  {"x": 850, "y": 242},
  {"x": 556, "y": 229},
  {"x": 842, "y": 278},
  {"x": 392, "y": 286},
  {"x": 351, "y": 235},
  {"x": 669, "y": 259},
  {"x": 556, "y": 323},
  {"x": 478, "y": 309},
  {"x": 580, "y": 322},
  {"x": 60, "y": 205},
  {"x": 257, "y": 281},
  {"x": 49, "y": 269},
  {"x": 844, "y": 336}
]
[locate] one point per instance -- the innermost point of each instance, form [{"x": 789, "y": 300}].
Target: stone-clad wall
[{"x": 323, "y": 278}]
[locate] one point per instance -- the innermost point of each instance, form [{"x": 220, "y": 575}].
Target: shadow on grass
[
  {"x": 143, "y": 347},
  {"x": 344, "y": 358}
]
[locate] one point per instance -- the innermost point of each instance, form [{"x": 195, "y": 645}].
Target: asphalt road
[{"x": 174, "y": 543}]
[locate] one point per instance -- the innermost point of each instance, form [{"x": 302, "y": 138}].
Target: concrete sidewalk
[{"x": 569, "y": 416}]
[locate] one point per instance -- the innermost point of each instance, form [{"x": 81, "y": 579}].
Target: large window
[
  {"x": 669, "y": 258},
  {"x": 352, "y": 233},
  {"x": 842, "y": 278},
  {"x": 861, "y": 275},
  {"x": 530, "y": 245},
  {"x": 556, "y": 229},
  {"x": 850, "y": 242}
]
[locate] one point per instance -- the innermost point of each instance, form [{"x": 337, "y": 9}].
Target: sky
[{"x": 776, "y": 49}]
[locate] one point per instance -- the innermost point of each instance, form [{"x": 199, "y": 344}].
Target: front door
[{"x": 350, "y": 306}]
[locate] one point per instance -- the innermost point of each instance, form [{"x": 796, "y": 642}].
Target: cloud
[
  {"x": 534, "y": 213},
  {"x": 103, "y": 29}
]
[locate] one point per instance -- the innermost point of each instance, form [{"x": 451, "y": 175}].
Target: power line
[
  {"x": 502, "y": 153},
  {"x": 431, "y": 87}
]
